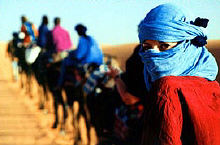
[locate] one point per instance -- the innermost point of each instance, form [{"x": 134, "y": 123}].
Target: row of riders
[{"x": 85, "y": 75}]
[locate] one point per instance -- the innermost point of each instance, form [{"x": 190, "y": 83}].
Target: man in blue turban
[
  {"x": 87, "y": 52},
  {"x": 179, "y": 72}
]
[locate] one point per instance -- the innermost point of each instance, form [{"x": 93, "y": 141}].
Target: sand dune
[{"x": 214, "y": 48}]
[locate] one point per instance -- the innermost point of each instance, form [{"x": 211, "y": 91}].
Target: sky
[{"x": 108, "y": 21}]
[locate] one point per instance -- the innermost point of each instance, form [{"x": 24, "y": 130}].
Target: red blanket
[{"x": 183, "y": 111}]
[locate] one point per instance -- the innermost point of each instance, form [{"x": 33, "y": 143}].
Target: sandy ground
[{"x": 21, "y": 122}]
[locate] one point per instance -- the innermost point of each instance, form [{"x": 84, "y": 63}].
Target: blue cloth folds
[
  {"x": 43, "y": 34},
  {"x": 30, "y": 31},
  {"x": 87, "y": 51},
  {"x": 168, "y": 23},
  {"x": 168, "y": 31}
]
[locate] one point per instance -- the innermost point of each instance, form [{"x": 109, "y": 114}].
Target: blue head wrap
[{"x": 168, "y": 23}]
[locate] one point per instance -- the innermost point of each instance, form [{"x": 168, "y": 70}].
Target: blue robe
[{"x": 87, "y": 51}]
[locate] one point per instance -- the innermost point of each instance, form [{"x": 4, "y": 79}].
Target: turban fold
[{"x": 167, "y": 23}]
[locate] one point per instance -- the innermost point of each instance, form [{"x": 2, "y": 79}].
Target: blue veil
[{"x": 168, "y": 23}]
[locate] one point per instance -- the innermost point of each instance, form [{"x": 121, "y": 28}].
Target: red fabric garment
[
  {"x": 183, "y": 110},
  {"x": 27, "y": 38}
]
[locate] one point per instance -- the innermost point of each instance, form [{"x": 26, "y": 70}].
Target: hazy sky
[{"x": 109, "y": 21}]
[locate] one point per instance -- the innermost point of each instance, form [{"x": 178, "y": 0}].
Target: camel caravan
[
  {"x": 153, "y": 93},
  {"x": 76, "y": 80}
]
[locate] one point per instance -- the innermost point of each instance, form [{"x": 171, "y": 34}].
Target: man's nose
[{"x": 155, "y": 47}]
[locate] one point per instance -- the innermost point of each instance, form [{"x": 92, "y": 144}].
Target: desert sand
[{"x": 21, "y": 122}]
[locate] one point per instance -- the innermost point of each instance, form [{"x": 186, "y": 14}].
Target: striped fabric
[{"x": 92, "y": 81}]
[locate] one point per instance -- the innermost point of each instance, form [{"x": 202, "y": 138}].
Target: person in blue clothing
[
  {"x": 39, "y": 66},
  {"x": 87, "y": 52},
  {"x": 29, "y": 30},
  {"x": 43, "y": 32}
]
